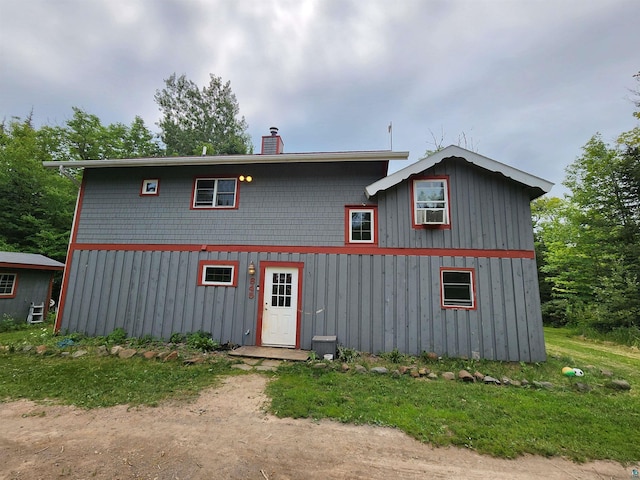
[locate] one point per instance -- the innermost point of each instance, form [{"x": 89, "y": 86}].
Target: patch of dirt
[{"x": 226, "y": 434}]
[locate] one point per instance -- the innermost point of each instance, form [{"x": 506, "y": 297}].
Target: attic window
[
  {"x": 431, "y": 202},
  {"x": 150, "y": 187},
  {"x": 214, "y": 193},
  {"x": 8, "y": 285}
]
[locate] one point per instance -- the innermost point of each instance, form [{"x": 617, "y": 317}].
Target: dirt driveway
[{"x": 225, "y": 434}]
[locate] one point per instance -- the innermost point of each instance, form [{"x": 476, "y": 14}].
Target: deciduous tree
[{"x": 193, "y": 118}]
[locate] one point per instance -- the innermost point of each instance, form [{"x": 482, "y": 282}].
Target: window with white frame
[
  {"x": 431, "y": 201},
  {"x": 214, "y": 193},
  {"x": 457, "y": 288},
  {"x": 7, "y": 284},
  {"x": 361, "y": 224},
  {"x": 218, "y": 273}
]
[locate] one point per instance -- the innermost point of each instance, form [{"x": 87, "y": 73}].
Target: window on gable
[
  {"x": 8, "y": 284},
  {"x": 361, "y": 225},
  {"x": 215, "y": 193},
  {"x": 457, "y": 288},
  {"x": 431, "y": 201},
  {"x": 218, "y": 273}
]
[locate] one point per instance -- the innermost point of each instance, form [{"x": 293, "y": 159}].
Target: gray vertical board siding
[
  {"x": 292, "y": 204},
  {"x": 32, "y": 287},
  {"x": 488, "y": 211},
  {"x": 372, "y": 303}
]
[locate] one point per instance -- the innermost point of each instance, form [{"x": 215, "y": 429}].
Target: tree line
[
  {"x": 588, "y": 243},
  {"x": 37, "y": 204}
]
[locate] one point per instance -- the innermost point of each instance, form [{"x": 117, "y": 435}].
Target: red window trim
[
  {"x": 214, "y": 177},
  {"x": 15, "y": 285},
  {"x": 148, "y": 194},
  {"x": 218, "y": 263},
  {"x": 347, "y": 225},
  {"x": 419, "y": 226},
  {"x": 474, "y": 305}
]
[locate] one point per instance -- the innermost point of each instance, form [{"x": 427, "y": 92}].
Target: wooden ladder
[{"x": 36, "y": 313}]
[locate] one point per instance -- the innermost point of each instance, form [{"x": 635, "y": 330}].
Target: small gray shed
[{"x": 26, "y": 279}]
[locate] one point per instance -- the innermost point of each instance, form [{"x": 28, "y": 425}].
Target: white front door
[{"x": 279, "y": 314}]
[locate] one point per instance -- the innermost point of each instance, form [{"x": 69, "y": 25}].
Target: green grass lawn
[{"x": 503, "y": 421}]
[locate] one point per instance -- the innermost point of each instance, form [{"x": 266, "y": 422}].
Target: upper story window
[
  {"x": 361, "y": 225},
  {"x": 457, "y": 288},
  {"x": 8, "y": 285},
  {"x": 431, "y": 202},
  {"x": 215, "y": 193}
]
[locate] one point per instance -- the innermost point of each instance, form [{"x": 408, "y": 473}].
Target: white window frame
[
  {"x": 205, "y": 265},
  {"x": 5, "y": 278},
  {"x": 216, "y": 181},
  {"x": 456, "y": 303},
  {"x": 370, "y": 211},
  {"x": 420, "y": 213}
]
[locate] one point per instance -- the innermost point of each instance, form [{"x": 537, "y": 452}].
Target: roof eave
[
  {"x": 361, "y": 156},
  {"x": 536, "y": 185}
]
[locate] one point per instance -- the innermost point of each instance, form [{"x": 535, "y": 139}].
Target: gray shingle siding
[{"x": 304, "y": 208}]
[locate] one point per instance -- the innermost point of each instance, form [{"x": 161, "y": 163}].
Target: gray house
[
  {"x": 275, "y": 248},
  {"x": 26, "y": 279}
]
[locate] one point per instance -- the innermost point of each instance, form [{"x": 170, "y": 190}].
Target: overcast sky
[{"x": 526, "y": 83}]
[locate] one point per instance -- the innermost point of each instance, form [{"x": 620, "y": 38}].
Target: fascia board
[
  {"x": 453, "y": 151},
  {"x": 361, "y": 156}
]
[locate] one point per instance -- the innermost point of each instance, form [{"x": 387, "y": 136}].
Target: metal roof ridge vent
[{"x": 272, "y": 144}]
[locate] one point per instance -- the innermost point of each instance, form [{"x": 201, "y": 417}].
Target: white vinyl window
[
  {"x": 457, "y": 288},
  {"x": 361, "y": 225},
  {"x": 431, "y": 202},
  {"x": 7, "y": 284},
  {"x": 217, "y": 275},
  {"x": 215, "y": 193}
]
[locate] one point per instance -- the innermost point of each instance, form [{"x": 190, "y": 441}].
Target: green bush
[
  {"x": 118, "y": 336},
  {"x": 10, "y": 324},
  {"x": 202, "y": 341},
  {"x": 347, "y": 355}
]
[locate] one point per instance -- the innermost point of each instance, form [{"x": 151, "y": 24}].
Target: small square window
[
  {"x": 457, "y": 288},
  {"x": 8, "y": 285},
  {"x": 218, "y": 273},
  {"x": 361, "y": 225},
  {"x": 150, "y": 187},
  {"x": 214, "y": 193}
]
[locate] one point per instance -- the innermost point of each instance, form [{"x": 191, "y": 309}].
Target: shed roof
[
  {"x": 359, "y": 156},
  {"x": 537, "y": 186},
  {"x": 28, "y": 260}
]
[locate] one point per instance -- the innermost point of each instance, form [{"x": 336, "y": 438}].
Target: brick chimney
[{"x": 272, "y": 144}]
